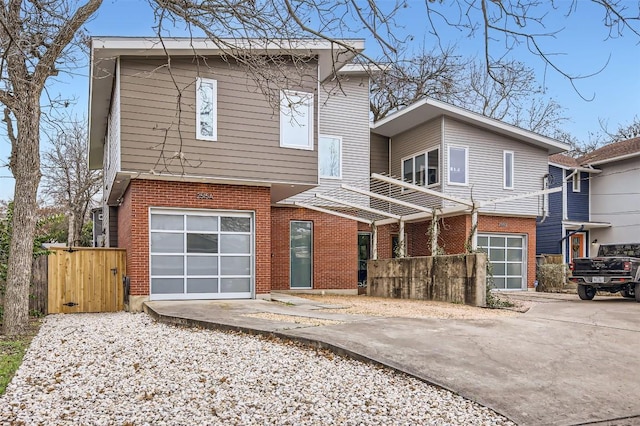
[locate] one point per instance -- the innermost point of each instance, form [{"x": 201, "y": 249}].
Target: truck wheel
[
  {"x": 586, "y": 292},
  {"x": 637, "y": 292},
  {"x": 625, "y": 293}
]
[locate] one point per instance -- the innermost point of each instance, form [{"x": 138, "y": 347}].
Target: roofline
[
  {"x": 614, "y": 159},
  {"x": 580, "y": 169},
  {"x": 553, "y": 146}
]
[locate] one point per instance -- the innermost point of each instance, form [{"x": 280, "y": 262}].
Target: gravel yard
[
  {"x": 125, "y": 369},
  {"x": 407, "y": 308}
]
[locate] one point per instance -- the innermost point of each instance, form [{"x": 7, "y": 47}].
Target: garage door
[
  {"x": 508, "y": 259},
  {"x": 201, "y": 254}
]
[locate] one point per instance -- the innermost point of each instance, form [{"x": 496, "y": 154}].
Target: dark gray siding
[
  {"x": 549, "y": 232},
  {"x": 379, "y": 154}
]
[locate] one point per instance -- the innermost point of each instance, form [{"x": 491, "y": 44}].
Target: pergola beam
[
  {"x": 387, "y": 199},
  {"x": 422, "y": 189},
  {"x": 333, "y": 212},
  {"x": 356, "y": 206}
]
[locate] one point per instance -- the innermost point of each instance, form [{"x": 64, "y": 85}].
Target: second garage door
[{"x": 507, "y": 255}]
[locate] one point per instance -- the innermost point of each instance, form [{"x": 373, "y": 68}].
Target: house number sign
[{"x": 204, "y": 196}]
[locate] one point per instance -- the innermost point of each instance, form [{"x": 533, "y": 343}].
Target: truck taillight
[
  {"x": 571, "y": 266},
  {"x": 627, "y": 266}
]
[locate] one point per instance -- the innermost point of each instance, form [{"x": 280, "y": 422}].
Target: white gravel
[{"x": 126, "y": 369}]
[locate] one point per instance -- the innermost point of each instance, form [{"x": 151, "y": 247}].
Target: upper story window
[
  {"x": 575, "y": 182},
  {"x": 507, "y": 163},
  {"x": 422, "y": 169},
  {"x": 206, "y": 109},
  {"x": 296, "y": 119},
  {"x": 458, "y": 165},
  {"x": 330, "y": 156}
]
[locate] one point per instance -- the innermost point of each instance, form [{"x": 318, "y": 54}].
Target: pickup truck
[{"x": 615, "y": 269}]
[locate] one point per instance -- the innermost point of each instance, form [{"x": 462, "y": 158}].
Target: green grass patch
[{"x": 12, "y": 349}]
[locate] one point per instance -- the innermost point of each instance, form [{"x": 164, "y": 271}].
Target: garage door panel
[
  {"x": 506, "y": 254},
  {"x": 201, "y": 254}
]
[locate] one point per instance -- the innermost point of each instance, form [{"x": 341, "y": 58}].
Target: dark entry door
[{"x": 364, "y": 254}]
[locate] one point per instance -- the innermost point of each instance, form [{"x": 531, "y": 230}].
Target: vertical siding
[
  {"x": 344, "y": 112},
  {"x": 158, "y": 121},
  {"x": 485, "y": 174},
  {"x": 578, "y": 202},
  {"x": 615, "y": 198},
  {"x": 549, "y": 232}
]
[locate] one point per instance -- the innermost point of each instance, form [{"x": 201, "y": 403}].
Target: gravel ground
[
  {"x": 408, "y": 308},
  {"x": 125, "y": 369}
]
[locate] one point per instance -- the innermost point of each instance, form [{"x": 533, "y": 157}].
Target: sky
[{"x": 582, "y": 47}]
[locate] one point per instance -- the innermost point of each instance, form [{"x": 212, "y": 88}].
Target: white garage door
[
  {"x": 507, "y": 255},
  {"x": 201, "y": 254}
]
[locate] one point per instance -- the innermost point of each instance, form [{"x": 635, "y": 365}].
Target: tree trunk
[
  {"x": 25, "y": 166},
  {"x": 71, "y": 234}
]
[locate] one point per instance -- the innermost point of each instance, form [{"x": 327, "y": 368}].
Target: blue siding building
[{"x": 564, "y": 229}]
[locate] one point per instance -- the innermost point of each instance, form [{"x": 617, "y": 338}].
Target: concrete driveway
[{"x": 565, "y": 362}]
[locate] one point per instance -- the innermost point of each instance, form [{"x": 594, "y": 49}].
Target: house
[
  {"x": 483, "y": 181},
  {"x": 566, "y": 225},
  {"x": 220, "y": 183},
  {"x": 598, "y": 203},
  {"x": 197, "y": 153}
]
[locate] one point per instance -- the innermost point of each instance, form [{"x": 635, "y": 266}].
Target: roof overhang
[
  {"x": 572, "y": 225},
  {"x": 614, "y": 159},
  {"x": 105, "y": 51},
  {"x": 427, "y": 109}
]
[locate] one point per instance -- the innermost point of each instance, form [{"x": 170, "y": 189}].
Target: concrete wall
[{"x": 455, "y": 279}]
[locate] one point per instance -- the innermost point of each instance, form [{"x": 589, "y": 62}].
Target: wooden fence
[
  {"x": 85, "y": 280},
  {"x": 38, "y": 292}
]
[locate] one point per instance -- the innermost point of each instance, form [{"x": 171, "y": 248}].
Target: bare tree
[
  {"x": 624, "y": 131},
  {"x": 67, "y": 179},
  {"x": 35, "y": 37}
]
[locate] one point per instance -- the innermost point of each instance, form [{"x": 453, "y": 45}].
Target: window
[
  {"x": 422, "y": 169},
  {"x": 458, "y": 165},
  {"x": 296, "y": 119},
  {"x": 330, "y": 157},
  {"x": 507, "y": 162},
  {"x": 206, "y": 109},
  {"x": 576, "y": 182}
]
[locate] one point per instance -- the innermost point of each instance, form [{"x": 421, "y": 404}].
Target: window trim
[
  {"x": 339, "y": 138},
  {"x": 302, "y": 94},
  {"x": 466, "y": 165},
  {"x": 575, "y": 182},
  {"x": 214, "y": 112},
  {"x": 504, "y": 169},
  {"x": 426, "y": 168}
]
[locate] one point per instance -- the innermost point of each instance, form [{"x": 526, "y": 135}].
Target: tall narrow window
[
  {"x": 433, "y": 167},
  {"x": 330, "y": 157},
  {"x": 576, "y": 182},
  {"x": 296, "y": 119},
  {"x": 206, "y": 109},
  {"x": 458, "y": 165},
  {"x": 507, "y": 161}
]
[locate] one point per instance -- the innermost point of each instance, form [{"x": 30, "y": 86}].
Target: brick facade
[
  {"x": 133, "y": 221},
  {"x": 335, "y": 249}
]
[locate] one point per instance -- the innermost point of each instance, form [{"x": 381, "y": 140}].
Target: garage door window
[
  {"x": 507, "y": 259},
  {"x": 201, "y": 255}
]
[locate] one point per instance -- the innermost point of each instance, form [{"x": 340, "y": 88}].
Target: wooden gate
[{"x": 86, "y": 280}]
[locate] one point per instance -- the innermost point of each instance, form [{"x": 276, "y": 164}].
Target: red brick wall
[
  {"x": 384, "y": 240},
  {"x": 515, "y": 225},
  {"x": 133, "y": 221},
  {"x": 335, "y": 249}
]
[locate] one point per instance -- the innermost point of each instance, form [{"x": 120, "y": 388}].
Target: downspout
[{"x": 545, "y": 198}]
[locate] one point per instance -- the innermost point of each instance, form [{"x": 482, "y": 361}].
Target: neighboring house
[
  {"x": 599, "y": 204},
  {"x": 197, "y": 155},
  {"x": 566, "y": 226},
  {"x": 449, "y": 159}
]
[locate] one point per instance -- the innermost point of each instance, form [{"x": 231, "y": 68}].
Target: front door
[
  {"x": 364, "y": 254},
  {"x": 577, "y": 246},
  {"x": 301, "y": 248}
]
